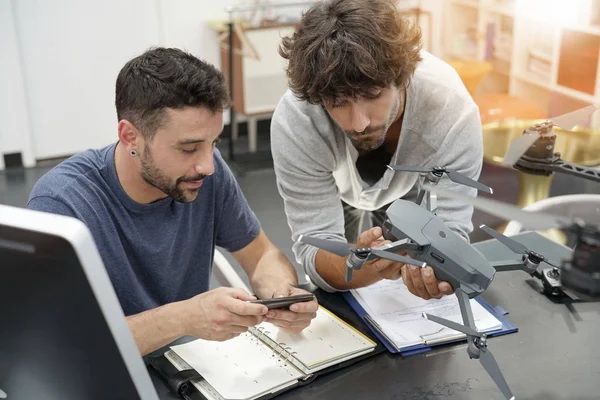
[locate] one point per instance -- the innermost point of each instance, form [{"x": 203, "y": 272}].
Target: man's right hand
[
  {"x": 221, "y": 314},
  {"x": 384, "y": 268}
]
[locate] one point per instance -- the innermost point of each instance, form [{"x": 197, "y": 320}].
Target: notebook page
[
  {"x": 399, "y": 314},
  {"x": 202, "y": 385},
  {"x": 240, "y": 368},
  {"x": 325, "y": 341}
]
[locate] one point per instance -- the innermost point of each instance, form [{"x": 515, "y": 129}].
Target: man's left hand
[
  {"x": 422, "y": 282},
  {"x": 298, "y": 316}
]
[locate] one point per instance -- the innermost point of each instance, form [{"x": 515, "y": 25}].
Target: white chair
[
  {"x": 584, "y": 206},
  {"x": 225, "y": 274}
]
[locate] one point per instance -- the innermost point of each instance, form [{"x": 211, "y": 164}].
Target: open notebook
[
  {"x": 398, "y": 315},
  {"x": 266, "y": 359}
]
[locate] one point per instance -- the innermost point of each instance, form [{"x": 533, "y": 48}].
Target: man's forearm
[
  {"x": 156, "y": 328},
  {"x": 332, "y": 269},
  {"x": 266, "y": 279}
]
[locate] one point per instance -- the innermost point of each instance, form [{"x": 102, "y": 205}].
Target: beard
[
  {"x": 370, "y": 139},
  {"x": 373, "y": 137},
  {"x": 154, "y": 176}
]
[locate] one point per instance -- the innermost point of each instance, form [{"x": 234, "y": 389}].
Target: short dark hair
[
  {"x": 163, "y": 78},
  {"x": 346, "y": 48}
]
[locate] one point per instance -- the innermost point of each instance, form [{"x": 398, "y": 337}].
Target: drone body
[{"x": 453, "y": 259}]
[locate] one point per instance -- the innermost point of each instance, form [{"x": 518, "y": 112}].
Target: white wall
[
  {"x": 59, "y": 61},
  {"x": 72, "y": 51},
  {"x": 66, "y": 55},
  {"x": 14, "y": 120}
]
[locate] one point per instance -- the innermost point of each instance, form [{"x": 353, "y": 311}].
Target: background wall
[
  {"x": 59, "y": 61},
  {"x": 14, "y": 118}
]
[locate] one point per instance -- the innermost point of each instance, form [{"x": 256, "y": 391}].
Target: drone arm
[
  {"x": 576, "y": 169},
  {"x": 509, "y": 265},
  {"x": 402, "y": 245},
  {"x": 481, "y": 351},
  {"x": 465, "y": 308}
]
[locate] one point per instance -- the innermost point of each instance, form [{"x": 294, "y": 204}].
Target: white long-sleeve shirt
[{"x": 315, "y": 162}]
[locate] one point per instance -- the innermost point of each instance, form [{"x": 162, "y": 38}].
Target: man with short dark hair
[
  {"x": 160, "y": 199},
  {"x": 363, "y": 95}
]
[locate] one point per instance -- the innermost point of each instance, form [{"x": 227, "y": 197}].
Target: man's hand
[
  {"x": 422, "y": 282},
  {"x": 385, "y": 269},
  {"x": 222, "y": 314},
  {"x": 298, "y": 316}
]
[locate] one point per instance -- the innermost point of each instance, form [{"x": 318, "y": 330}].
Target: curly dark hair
[
  {"x": 163, "y": 78},
  {"x": 347, "y": 48}
]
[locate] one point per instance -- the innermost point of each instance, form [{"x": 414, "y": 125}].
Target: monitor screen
[{"x": 55, "y": 342}]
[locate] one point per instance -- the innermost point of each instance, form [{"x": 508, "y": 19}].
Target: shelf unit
[{"x": 546, "y": 50}]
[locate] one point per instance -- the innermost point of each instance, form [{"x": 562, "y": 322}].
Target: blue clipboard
[{"x": 498, "y": 312}]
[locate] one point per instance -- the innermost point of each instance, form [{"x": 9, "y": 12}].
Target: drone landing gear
[{"x": 477, "y": 342}]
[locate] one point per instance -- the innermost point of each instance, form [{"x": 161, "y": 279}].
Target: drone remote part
[{"x": 284, "y": 302}]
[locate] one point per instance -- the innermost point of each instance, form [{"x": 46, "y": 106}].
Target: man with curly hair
[{"x": 363, "y": 95}]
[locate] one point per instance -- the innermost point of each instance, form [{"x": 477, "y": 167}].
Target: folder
[{"x": 498, "y": 312}]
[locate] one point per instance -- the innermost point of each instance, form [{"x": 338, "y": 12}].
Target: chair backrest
[
  {"x": 225, "y": 274},
  {"x": 584, "y": 206}
]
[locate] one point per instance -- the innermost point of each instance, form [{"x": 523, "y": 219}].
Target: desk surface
[{"x": 552, "y": 357}]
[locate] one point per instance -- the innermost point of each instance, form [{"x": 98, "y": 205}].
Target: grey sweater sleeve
[{"x": 304, "y": 165}]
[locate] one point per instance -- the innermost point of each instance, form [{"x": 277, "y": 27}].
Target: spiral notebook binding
[
  {"x": 280, "y": 347},
  {"x": 260, "y": 331}
]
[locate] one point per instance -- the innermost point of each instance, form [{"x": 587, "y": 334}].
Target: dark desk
[{"x": 552, "y": 357}]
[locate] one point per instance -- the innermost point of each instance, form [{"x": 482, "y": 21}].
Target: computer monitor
[{"x": 63, "y": 335}]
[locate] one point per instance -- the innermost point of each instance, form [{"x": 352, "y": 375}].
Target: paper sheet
[
  {"x": 327, "y": 340},
  {"x": 399, "y": 314},
  {"x": 240, "y": 368}
]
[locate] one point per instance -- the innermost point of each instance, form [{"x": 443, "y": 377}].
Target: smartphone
[{"x": 284, "y": 302}]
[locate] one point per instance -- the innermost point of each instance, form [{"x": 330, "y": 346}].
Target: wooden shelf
[
  {"x": 516, "y": 43},
  {"x": 466, "y": 3},
  {"x": 533, "y": 79},
  {"x": 574, "y": 94},
  {"x": 578, "y": 62}
]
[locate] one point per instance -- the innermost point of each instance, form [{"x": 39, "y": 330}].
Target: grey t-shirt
[
  {"x": 315, "y": 162},
  {"x": 154, "y": 253}
]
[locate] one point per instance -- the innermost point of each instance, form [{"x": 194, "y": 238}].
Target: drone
[
  {"x": 533, "y": 152},
  {"x": 427, "y": 240},
  {"x": 578, "y": 276},
  {"x": 432, "y": 176}
]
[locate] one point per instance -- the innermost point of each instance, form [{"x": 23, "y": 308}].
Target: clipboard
[{"x": 498, "y": 312}]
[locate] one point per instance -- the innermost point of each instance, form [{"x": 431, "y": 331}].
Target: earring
[{"x": 133, "y": 153}]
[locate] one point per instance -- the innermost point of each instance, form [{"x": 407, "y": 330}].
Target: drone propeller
[
  {"x": 530, "y": 220},
  {"x": 477, "y": 342},
  {"x": 520, "y": 145},
  {"x": 515, "y": 246},
  {"x": 454, "y": 176},
  {"x": 344, "y": 249},
  {"x": 487, "y": 359},
  {"x": 570, "y": 120}
]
